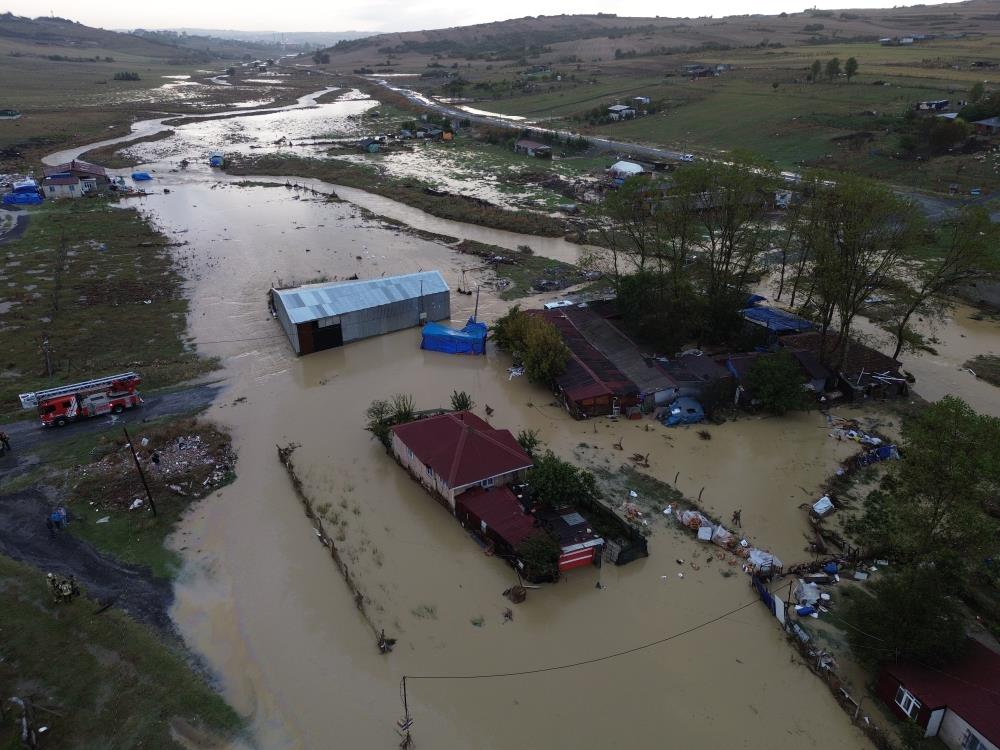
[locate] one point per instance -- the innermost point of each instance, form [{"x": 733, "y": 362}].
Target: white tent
[{"x": 625, "y": 169}]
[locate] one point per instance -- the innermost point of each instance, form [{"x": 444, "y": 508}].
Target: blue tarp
[
  {"x": 141, "y": 176},
  {"x": 683, "y": 411},
  {"x": 22, "y": 199},
  {"x": 469, "y": 340},
  {"x": 755, "y": 299},
  {"x": 775, "y": 320},
  {"x": 216, "y": 160}
]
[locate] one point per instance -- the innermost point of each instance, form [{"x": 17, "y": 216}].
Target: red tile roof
[
  {"x": 970, "y": 687},
  {"x": 500, "y": 511},
  {"x": 68, "y": 180},
  {"x": 462, "y": 448}
]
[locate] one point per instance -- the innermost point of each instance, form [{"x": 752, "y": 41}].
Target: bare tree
[
  {"x": 862, "y": 233},
  {"x": 969, "y": 249}
]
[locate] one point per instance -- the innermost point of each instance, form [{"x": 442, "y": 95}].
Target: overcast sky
[{"x": 387, "y": 15}]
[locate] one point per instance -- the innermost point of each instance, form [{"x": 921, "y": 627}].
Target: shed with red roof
[
  {"x": 495, "y": 516},
  {"x": 959, "y": 703}
]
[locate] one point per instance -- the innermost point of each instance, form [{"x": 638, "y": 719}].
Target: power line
[{"x": 584, "y": 662}]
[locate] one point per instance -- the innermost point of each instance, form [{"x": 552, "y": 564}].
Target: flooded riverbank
[
  {"x": 264, "y": 606},
  {"x": 262, "y": 602}
]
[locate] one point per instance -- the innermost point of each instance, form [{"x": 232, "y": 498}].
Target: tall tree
[
  {"x": 969, "y": 248},
  {"x": 851, "y": 68},
  {"x": 833, "y": 68},
  {"x": 931, "y": 509},
  {"x": 814, "y": 70},
  {"x": 861, "y": 232},
  {"x": 977, "y": 92},
  {"x": 731, "y": 203}
]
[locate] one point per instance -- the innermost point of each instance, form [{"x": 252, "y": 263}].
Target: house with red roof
[
  {"x": 454, "y": 452},
  {"x": 959, "y": 703}
]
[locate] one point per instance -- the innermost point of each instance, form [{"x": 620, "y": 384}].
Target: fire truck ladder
[{"x": 30, "y": 400}]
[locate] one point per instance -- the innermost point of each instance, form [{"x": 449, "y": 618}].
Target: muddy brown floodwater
[{"x": 262, "y": 603}]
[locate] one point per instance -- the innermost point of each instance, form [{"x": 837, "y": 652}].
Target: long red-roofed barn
[{"x": 450, "y": 453}]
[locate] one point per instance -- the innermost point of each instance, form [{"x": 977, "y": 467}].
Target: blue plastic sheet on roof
[
  {"x": 141, "y": 176},
  {"x": 471, "y": 339},
  {"x": 22, "y": 199},
  {"x": 777, "y": 321},
  {"x": 755, "y": 299},
  {"x": 683, "y": 411}
]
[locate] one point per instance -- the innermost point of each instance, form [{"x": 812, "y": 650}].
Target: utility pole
[
  {"x": 138, "y": 466},
  {"x": 47, "y": 353},
  {"x": 404, "y": 724}
]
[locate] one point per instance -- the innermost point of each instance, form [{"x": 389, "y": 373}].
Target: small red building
[
  {"x": 959, "y": 704},
  {"x": 496, "y": 517}
]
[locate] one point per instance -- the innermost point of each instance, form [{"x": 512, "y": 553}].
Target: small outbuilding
[
  {"x": 989, "y": 126},
  {"x": 323, "y": 316},
  {"x": 470, "y": 339},
  {"x": 533, "y": 148},
  {"x": 624, "y": 169},
  {"x": 959, "y": 704}
]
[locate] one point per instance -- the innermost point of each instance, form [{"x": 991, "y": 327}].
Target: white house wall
[{"x": 953, "y": 730}]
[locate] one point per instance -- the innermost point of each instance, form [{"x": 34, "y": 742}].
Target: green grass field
[
  {"x": 100, "y": 284},
  {"x": 106, "y": 681}
]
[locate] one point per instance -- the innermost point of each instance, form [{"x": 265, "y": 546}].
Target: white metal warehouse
[{"x": 323, "y": 316}]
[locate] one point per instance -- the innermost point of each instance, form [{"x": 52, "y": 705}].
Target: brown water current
[{"x": 262, "y": 603}]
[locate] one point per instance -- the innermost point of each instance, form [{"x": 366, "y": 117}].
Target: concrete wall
[{"x": 953, "y": 730}]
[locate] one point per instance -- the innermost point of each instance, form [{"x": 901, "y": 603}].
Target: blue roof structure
[
  {"x": 471, "y": 339},
  {"x": 775, "y": 320},
  {"x": 141, "y": 176}
]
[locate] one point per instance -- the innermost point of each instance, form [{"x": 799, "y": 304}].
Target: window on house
[
  {"x": 430, "y": 471},
  {"x": 908, "y": 702},
  {"x": 970, "y": 741},
  {"x": 488, "y": 482}
]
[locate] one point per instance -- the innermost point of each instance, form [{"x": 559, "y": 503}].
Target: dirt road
[
  {"x": 24, "y": 537},
  {"x": 28, "y": 434}
]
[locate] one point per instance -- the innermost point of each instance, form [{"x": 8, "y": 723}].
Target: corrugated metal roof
[{"x": 315, "y": 301}]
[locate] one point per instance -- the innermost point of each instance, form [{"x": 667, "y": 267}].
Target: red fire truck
[{"x": 67, "y": 403}]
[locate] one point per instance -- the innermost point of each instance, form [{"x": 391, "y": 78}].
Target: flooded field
[{"x": 261, "y": 601}]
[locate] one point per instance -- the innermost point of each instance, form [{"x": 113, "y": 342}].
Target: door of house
[{"x": 616, "y": 408}]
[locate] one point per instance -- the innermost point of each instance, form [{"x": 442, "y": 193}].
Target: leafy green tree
[
  {"x": 977, "y": 92},
  {"x": 907, "y": 615},
  {"x": 555, "y": 482},
  {"x": 540, "y": 555},
  {"x": 931, "y": 509},
  {"x": 529, "y": 441},
  {"x": 510, "y": 330},
  {"x": 383, "y": 414},
  {"x": 851, "y": 68},
  {"x": 775, "y": 380},
  {"x": 833, "y": 68},
  {"x": 814, "y": 70},
  {"x": 461, "y": 401},
  {"x": 535, "y": 342}
]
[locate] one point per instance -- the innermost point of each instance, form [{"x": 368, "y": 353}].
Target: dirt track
[{"x": 24, "y": 537}]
